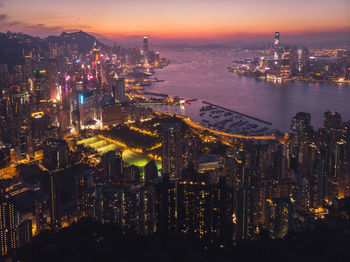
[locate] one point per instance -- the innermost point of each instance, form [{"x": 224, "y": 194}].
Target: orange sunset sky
[{"x": 175, "y": 19}]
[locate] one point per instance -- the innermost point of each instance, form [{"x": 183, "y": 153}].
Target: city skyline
[
  {"x": 186, "y": 21},
  {"x": 133, "y": 129}
]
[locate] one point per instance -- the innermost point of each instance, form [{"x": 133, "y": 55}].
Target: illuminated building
[
  {"x": 97, "y": 203},
  {"x": 299, "y": 61},
  {"x": 285, "y": 69},
  {"x": 344, "y": 181},
  {"x": 41, "y": 86},
  {"x": 332, "y": 120},
  {"x": 55, "y": 200},
  {"x": 42, "y": 213},
  {"x": 18, "y": 103},
  {"x": 133, "y": 56},
  {"x": 23, "y": 138},
  {"x": 193, "y": 200},
  {"x": 25, "y": 232},
  {"x": 164, "y": 202},
  {"x": 318, "y": 192},
  {"x": 229, "y": 164},
  {"x": 84, "y": 185},
  {"x": 145, "y": 43},
  {"x": 250, "y": 204},
  {"x": 221, "y": 211},
  {"x": 113, "y": 114},
  {"x": 279, "y": 216},
  {"x": 97, "y": 65},
  {"x": 120, "y": 90},
  {"x": 89, "y": 114},
  {"x": 242, "y": 213},
  {"x": 190, "y": 152},
  {"x": 345, "y": 138},
  {"x": 304, "y": 193},
  {"x": 276, "y": 46},
  {"x": 39, "y": 124},
  {"x": 300, "y": 132},
  {"x": 64, "y": 119},
  {"x": 250, "y": 192},
  {"x": 145, "y": 50},
  {"x": 172, "y": 149},
  {"x": 131, "y": 209},
  {"x": 204, "y": 209},
  {"x": 8, "y": 226},
  {"x": 110, "y": 205}
]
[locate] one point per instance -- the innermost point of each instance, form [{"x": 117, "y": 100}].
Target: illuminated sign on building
[{"x": 81, "y": 99}]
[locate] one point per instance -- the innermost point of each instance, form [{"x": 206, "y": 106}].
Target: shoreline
[{"x": 285, "y": 80}]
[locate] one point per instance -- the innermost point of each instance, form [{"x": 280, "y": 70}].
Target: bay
[{"x": 203, "y": 74}]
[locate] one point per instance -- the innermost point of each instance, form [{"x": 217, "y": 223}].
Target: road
[
  {"x": 193, "y": 124},
  {"x": 11, "y": 172}
]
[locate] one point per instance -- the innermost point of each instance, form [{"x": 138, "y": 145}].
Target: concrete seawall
[{"x": 251, "y": 117}]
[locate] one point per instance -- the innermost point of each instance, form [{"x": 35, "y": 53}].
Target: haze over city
[{"x": 191, "y": 21}]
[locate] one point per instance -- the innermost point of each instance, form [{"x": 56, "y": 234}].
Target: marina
[{"x": 218, "y": 118}]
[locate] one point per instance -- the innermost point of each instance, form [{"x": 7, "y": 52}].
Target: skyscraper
[
  {"x": 55, "y": 200},
  {"x": 109, "y": 165},
  {"x": 55, "y": 154},
  {"x": 299, "y": 61},
  {"x": 41, "y": 86},
  {"x": 84, "y": 186},
  {"x": 25, "y": 232},
  {"x": 193, "y": 198},
  {"x": 172, "y": 149},
  {"x": 276, "y": 46},
  {"x": 119, "y": 164},
  {"x": 145, "y": 43},
  {"x": 332, "y": 120},
  {"x": 164, "y": 202},
  {"x": 300, "y": 126},
  {"x": 285, "y": 70},
  {"x": 279, "y": 216},
  {"x": 145, "y": 50},
  {"x": 98, "y": 201},
  {"x": 191, "y": 152},
  {"x": 96, "y": 65},
  {"x": 8, "y": 226},
  {"x": 300, "y": 131},
  {"x": 277, "y": 39},
  {"x": 119, "y": 90}
]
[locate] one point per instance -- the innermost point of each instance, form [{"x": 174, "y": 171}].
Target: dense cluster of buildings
[
  {"x": 210, "y": 187},
  {"x": 56, "y": 84},
  {"x": 50, "y": 88},
  {"x": 221, "y": 197},
  {"x": 297, "y": 63}
]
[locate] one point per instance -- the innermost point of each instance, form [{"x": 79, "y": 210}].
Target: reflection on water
[{"x": 203, "y": 74}]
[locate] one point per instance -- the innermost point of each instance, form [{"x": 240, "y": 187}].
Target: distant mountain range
[
  {"x": 83, "y": 40},
  {"x": 12, "y": 45}
]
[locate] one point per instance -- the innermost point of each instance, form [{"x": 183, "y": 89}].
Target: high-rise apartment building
[
  {"x": 8, "y": 225},
  {"x": 172, "y": 149}
]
